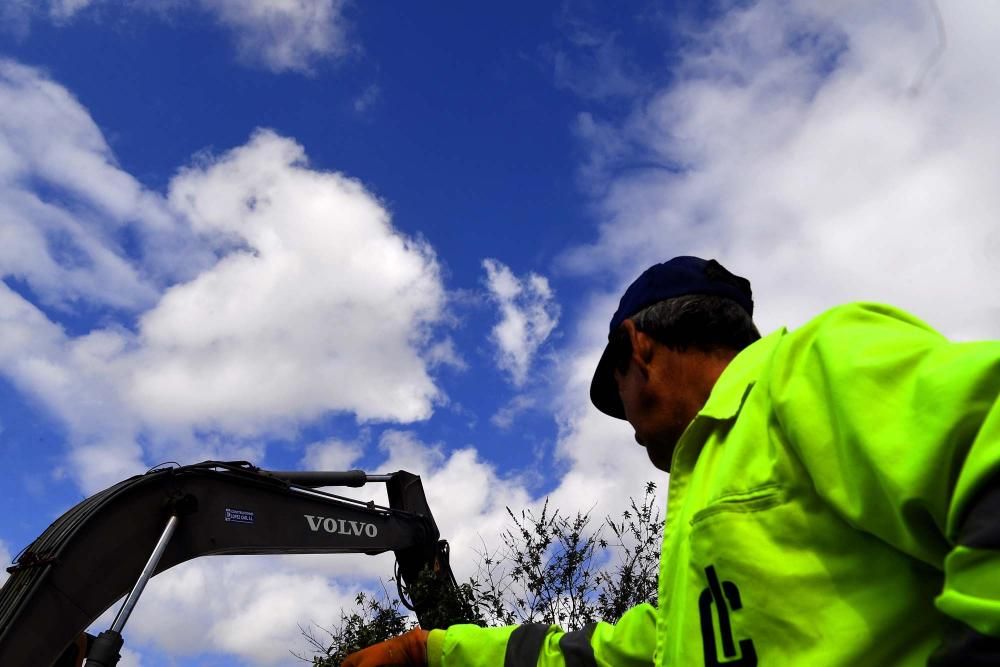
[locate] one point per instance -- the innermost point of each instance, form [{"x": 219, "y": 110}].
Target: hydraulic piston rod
[
  {"x": 106, "y": 649},
  {"x": 315, "y": 479}
]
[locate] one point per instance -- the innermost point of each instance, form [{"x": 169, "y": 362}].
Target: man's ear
[{"x": 642, "y": 346}]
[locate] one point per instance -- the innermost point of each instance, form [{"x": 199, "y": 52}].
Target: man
[{"x": 834, "y": 491}]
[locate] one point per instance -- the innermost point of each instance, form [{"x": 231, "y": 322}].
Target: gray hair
[{"x": 699, "y": 321}]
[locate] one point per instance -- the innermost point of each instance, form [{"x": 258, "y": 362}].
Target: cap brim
[{"x": 604, "y": 389}]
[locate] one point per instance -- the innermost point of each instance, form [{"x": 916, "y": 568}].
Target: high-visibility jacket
[{"x": 835, "y": 502}]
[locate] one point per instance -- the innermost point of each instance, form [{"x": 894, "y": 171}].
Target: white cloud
[
  {"x": 443, "y": 353},
  {"x": 528, "y": 314},
  {"x": 328, "y": 309},
  {"x": 466, "y": 494},
  {"x": 800, "y": 151},
  {"x": 368, "y": 97},
  {"x": 130, "y": 658},
  {"x": 505, "y": 416},
  {"x": 250, "y": 607},
  {"x": 278, "y": 35},
  {"x": 595, "y": 67},
  {"x": 67, "y": 244},
  {"x": 331, "y": 454},
  {"x": 17, "y": 14},
  {"x": 316, "y": 305},
  {"x": 284, "y": 34},
  {"x": 77, "y": 384},
  {"x": 604, "y": 465},
  {"x": 61, "y": 10}
]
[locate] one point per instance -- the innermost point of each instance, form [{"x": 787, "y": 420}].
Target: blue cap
[{"x": 680, "y": 276}]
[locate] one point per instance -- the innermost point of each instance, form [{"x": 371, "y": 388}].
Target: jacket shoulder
[{"x": 869, "y": 318}]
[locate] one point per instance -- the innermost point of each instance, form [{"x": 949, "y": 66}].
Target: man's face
[
  {"x": 662, "y": 390},
  {"x": 659, "y": 402}
]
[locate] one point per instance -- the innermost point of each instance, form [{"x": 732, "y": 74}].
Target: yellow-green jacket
[{"x": 836, "y": 502}]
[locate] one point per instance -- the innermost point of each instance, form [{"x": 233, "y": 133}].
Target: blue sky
[{"x": 386, "y": 235}]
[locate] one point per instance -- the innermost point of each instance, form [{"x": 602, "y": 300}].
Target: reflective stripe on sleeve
[
  {"x": 525, "y": 644},
  {"x": 576, "y": 648}
]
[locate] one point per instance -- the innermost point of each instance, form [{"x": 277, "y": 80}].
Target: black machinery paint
[{"x": 108, "y": 545}]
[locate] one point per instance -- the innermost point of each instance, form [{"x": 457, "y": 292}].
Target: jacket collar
[{"x": 741, "y": 374}]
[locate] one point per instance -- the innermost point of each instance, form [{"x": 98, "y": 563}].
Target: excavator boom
[{"x": 92, "y": 555}]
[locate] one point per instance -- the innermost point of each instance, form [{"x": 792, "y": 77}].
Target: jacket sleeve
[
  {"x": 628, "y": 643},
  {"x": 900, "y": 431}
]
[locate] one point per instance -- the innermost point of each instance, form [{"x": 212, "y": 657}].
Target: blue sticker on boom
[{"x": 239, "y": 516}]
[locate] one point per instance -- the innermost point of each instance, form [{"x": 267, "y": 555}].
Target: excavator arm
[{"x": 94, "y": 554}]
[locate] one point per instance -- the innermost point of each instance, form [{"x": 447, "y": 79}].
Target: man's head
[{"x": 676, "y": 328}]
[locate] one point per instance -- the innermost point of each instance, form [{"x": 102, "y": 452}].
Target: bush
[{"x": 373, "y": 620}]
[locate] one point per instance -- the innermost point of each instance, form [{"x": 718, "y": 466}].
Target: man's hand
[{"x": 409, "y": 648}]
